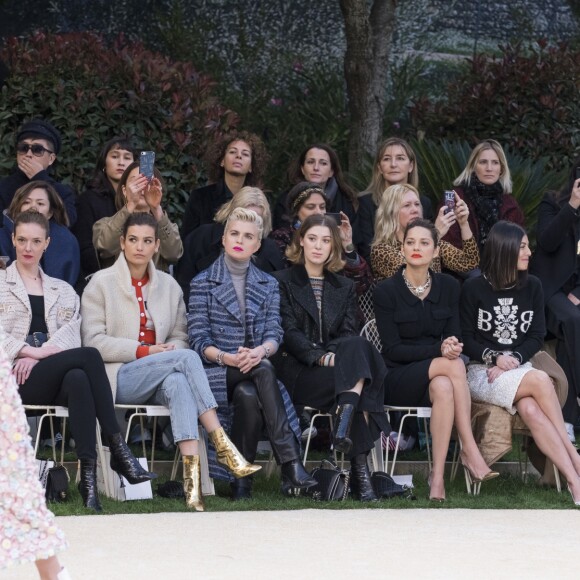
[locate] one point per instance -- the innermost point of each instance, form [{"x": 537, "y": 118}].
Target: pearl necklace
[{"x": 418, "y": 290}]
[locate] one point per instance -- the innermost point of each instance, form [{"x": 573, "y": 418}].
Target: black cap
[{"x": 39, "y": 129}]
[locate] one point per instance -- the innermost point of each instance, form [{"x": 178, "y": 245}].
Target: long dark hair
[
  {"x": 100, "y": 182},
  {"x": 295, "y": 174},
  {"x": 499, "y": 261}
]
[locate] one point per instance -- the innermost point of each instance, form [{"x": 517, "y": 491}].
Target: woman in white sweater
[
  {"x": 40, "y": 318},
  {"x": 135, "y": 316}
]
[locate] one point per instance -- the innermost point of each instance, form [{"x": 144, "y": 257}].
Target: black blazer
[
  {"x": 203, "y": 246},
  {"x": 300, "y": 319},
  {"x": 411, "y": 329},
  {"x": 557, "y": 238}
]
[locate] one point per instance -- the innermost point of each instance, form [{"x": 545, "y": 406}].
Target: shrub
[
  {"x": 527, "y": 99},
  {"x": 91, "y": 91},
  {"x": 440, "y": 162}
]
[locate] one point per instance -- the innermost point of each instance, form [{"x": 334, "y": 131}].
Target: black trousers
[
  {"x": 76, "y": 379},
  {"x": 563, "y": 321},
  {"x": 258, "y": 404}
]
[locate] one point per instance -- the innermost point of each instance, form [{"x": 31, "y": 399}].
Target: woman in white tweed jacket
[
  {"x": 41, "y": 322},
  {"x": 135, "y": 316}
]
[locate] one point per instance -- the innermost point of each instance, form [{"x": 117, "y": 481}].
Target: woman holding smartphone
[
  {"x": 556, "y": 265},
  {"x": 136, "y": 193},
  {"x": 502, "y": 319}
]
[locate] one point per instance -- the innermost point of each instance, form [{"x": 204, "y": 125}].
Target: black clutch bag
[
  {"x": 332, "y": 483},
  {"x": 57, "y": 481},
  {"x": 386, "y": 487}
]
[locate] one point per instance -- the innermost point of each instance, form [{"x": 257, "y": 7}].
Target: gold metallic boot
[
  {"x": 192, "y": 482},
  {"x": 228, "y": 455}
]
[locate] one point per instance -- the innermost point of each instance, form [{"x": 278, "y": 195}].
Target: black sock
[{"x": 348, "y": 398}]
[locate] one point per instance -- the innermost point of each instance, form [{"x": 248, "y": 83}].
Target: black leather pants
[{"x": 258, "y": 403}]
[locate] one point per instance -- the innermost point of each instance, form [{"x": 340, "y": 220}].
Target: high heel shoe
[
  {"x": 125, "y": 463},
  {"x": 576, "y": 502},
  {"x": 432, "y": 497},
  {"x": 342, "y": 424},
  {"x": 294, "y": 475},
  {"x": 88, "y": 485},
  {"x": 472, "y": 478},
  {"x": 192, "y": 482},
  {"x": 228, "y": 455}
]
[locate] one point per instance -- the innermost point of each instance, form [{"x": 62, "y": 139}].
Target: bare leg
[
  {"x": 49, "y": 568},
  {"x": 189, "y": 447},
  {"x": 210, "y": 420},
  {"x": 537, "y": 384},
  {"x": 441, "y": 394},
  {"x": 455, "y": 371},
  {"x": 548, "y": 440},
  {"x": 357, "y": 388}
]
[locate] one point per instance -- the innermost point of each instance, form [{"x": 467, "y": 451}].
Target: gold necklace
[{"x": 417, "y": 290}]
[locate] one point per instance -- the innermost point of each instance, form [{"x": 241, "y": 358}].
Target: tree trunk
[{"x": 368, "y": 39}]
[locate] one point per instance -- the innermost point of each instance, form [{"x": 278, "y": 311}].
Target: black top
[
  {"x": 16, "y": 180},
  {"x": 555, "y": 260},
  {"x": 505, "y": 320},
  {"x": 38, "y": 323},
  {"x": 91, "y": 207},
  {"x": 202, "y": 247},
  {"x": 365, "y": 230},
  {"x": 411, "y": 329},
  {"x": 202, "y": 205}
]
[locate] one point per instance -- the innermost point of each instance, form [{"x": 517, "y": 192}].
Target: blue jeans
[{"x": 175, "y": 379}]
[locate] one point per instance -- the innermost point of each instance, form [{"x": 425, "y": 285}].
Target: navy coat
[{"x": 214, "y": 319}]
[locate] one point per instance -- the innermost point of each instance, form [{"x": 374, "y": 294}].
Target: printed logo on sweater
[{"x": 506, "y": 323}]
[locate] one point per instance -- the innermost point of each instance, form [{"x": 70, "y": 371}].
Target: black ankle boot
[
  {"x": 88, "y": 484},
  {"x": 125, "y": 463},
  {"x": 294, "y": 475},
  {"x": 242, "y": 489},
  {"x": 360, "y": 479},
  {"x": 342, "y": 423}
]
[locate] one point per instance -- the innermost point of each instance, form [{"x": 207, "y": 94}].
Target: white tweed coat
[
  {"x": 110, "y": 313},
  {"x": 61, "y": 312}
]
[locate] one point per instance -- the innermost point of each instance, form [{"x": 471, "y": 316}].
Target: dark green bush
[
  {"x": 524, "y": 98},
  {"x": 91, "y": 91}
]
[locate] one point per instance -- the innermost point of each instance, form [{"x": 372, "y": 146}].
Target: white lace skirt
[{"x": 502, "y": 391}]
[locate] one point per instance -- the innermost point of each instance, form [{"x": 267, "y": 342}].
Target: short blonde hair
[
  {"x": 241, "y": 214},
  {"x": 246, "y": 197},
  {"x": 505, "y": 178},
  {"x": 295, "y": 252},
  {"x": 387, "y": 216}
]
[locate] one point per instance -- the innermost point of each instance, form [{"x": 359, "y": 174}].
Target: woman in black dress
[
  {"x": 418, "y": 322},
  {"x": 324, "y": 363}
]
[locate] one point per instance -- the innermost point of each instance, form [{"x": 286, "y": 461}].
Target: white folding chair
[
  {"x": 366, "y": 304},
  {"x": 315, "y": 415}
]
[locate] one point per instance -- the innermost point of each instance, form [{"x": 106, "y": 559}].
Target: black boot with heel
[
  {"x": 88, "y": 484},
  {"x": 360, "y": 479},
  {"x": 125, "y": 463}
]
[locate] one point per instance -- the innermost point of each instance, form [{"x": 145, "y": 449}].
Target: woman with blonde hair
[
  {"x": 234, "y": 326},
  {"x": 202, "y": 246},
  {"x": 400, "y": 205},
  {"x": 486, "y": 186},
  {"x": 395, "y": 164},
  {"x": 324, "y": 362}
]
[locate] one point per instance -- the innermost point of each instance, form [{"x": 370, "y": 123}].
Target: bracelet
[
  {"x": 267, "y": 350},
  {"x": 219, "y": 359}
]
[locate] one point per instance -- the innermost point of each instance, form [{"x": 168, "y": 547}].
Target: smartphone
[
  {"x": 577, "y": 173},
  {"x": 336, "y": 217},
  {"x": 449, "y": 201},
  {"x": 146, "y": 164}
]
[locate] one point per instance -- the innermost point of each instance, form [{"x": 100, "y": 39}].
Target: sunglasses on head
[{"x": 37, "y": 150}]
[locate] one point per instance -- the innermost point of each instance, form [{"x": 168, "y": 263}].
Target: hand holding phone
[
  {"x": 336, "y": 217},
  {"x": 147, "y": 163}
]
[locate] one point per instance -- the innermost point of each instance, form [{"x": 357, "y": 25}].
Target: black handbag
[
  {"x": 332, "y": 482},
  {"x": 57, "y": 480},
  {"x": 386, "y": 487}
]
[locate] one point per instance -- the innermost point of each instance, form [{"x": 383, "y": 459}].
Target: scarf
[{"x": 486, "y": 200}]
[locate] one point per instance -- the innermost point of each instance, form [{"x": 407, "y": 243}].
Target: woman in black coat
[
  {"x": 556, "y": 264},
  {"x": 324, "y": 363},
  {"x": 418, "y": 321},
  {"x": 203, "y": 246}
]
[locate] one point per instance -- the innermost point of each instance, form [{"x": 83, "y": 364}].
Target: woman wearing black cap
[{"x": 37, "y": 145}]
